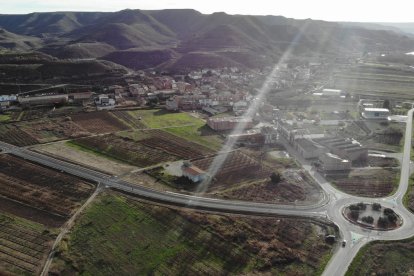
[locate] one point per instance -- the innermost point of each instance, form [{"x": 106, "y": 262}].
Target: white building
[
  {"x": 332, "y": 92},
  {"x": 375, "y": 113}
]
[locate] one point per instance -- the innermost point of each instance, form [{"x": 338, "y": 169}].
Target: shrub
[
  {"x": 382, "y": 222},
  {"x": 275, "y": 178},
  {"x": 368, "y": 219},
  {"x": 354, "y": 214},
  {"x": 376, "y": 206}
]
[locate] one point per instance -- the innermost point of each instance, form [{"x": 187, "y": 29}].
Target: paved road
[
  {"x": 357, "y": 236},
  {"x": 195, "y": 202},
  {"x": 329, "y": 207}
]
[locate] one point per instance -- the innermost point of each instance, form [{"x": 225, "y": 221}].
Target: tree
[
  {"x": 368, "y": 219},
  {"x": 382, "y": 222},
  {"x": 386, "y": 104},
  {"x": 275, "y": 177},
  {"x": 388, "y": 211},
  {"x": 354, "y": 214},
  {"x": 362, "y": 206},
  {"x": 354, "y": 207},
  {"x": 376, "y": 206}
]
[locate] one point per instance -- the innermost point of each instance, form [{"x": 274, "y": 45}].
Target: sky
[{"x": 330, "y": 10}]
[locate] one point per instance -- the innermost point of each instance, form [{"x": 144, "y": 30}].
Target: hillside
[
  {"x": 190, "y": 39},
  {"x": 13, "y": 41}
]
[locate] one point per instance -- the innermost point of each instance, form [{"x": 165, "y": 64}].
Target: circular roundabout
[{"x": 372, "y": 216}]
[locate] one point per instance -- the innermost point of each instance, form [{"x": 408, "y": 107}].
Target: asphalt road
[
  {"x": 329, "y": 207},
  {"x": 177, "y": 199}
]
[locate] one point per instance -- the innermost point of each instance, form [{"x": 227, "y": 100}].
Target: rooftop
[
  {"x": 193, "y": 170},
  {"x": 373, "y": 109},
  {"x": 307, "y": 144}
]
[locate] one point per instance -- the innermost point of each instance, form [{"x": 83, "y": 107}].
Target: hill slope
[{"x": 193, "y": 39}]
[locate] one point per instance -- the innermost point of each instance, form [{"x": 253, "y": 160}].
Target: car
[{"x": 343, "y": 243}]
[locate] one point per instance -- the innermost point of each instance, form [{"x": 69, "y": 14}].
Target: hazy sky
[{"x": 332, "y": 10}]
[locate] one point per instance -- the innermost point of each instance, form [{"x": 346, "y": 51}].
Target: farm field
[
  {"x": 12, "y": 135},
  {"x": 143, "y": 148},
  {"x": 384, "y": 258},
  {"x": 24, "y": 245},
  {"x": 65, "y": 151},
  {"x": 52, "y": 129},
  {"x": 237, "y": 167},
  {"x": 123, "y": 149},
  {"x": 117, "y": 234},
  {"x": 296, "y": 186},
  {"x": 180, "y": 124},
  {"x": 38, "y": 193},
  {"x": 376, "y": 80},
  {"x": 127, "y": 118},
  {"x": 98, "y": 122},
  {"x": 367, "y": 182}
]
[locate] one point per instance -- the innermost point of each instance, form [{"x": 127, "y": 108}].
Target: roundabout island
[{"x": 372, "y": 216}]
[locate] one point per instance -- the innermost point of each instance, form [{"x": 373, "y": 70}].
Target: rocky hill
[{"x": 188, "y": 39}]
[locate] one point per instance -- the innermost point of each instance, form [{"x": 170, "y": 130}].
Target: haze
[{"x": 351, "y": 10}]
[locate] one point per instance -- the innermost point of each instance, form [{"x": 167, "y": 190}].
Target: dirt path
[{"x": 65, "y": 229}]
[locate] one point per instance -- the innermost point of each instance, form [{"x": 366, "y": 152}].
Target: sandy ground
[
  {"x": 142, "y": 179},
  {"x": 60, "y": 149}
]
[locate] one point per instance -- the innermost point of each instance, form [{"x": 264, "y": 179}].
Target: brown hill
[{"x": 141, "y": 59}]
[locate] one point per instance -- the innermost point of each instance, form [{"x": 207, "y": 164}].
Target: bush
[
  {"x": 275, "y": 178},
  {"x": 354, "y": 207},
  {"x": 382, "y": 222},
  {"x": 368, "y": 219},
  {"x": 376, "y": 206},
  {"x": 362, "y": 206},
  {"x": 354, "y": 214},
  {"x": 388, "y": 211},
  {"x": 392, "y": 218}
]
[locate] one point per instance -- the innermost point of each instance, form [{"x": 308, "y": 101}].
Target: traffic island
[{"x": 372, "y": 216}]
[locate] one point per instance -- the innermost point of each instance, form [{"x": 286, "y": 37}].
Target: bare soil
[
  {"x": 98, "y": 122},
  {"x": 41, "y": 188},
  {"x": 64, "y": 151}
]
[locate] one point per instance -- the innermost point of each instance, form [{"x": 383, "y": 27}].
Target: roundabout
[{"x": 372, "y": 216}]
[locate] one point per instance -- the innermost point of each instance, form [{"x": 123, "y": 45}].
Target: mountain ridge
[{"x": 186, "y": 34}]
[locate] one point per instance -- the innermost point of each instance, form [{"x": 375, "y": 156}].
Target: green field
[
  {"x": 4, "y": 118},
  {"x": 121, "y": 236},
  {"x": 180, "y": 124},
  {"x": 384, "y": 258},
  {"x": 376, "y": 79}
]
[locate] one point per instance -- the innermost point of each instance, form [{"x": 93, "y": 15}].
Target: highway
[
  {"x": 356, "y": 236},
  {"x": 211, "y": 204},
  {"x": 329, "y": 207}
]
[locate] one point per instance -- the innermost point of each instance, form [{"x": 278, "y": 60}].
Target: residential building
[
  {"x": 229, "y": 123},
  {"x": 193, "y": 173}
]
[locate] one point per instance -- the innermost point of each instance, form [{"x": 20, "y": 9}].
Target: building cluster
[
  {"x": 331, "y": 152},
  {"x": 373, "y": 109}
]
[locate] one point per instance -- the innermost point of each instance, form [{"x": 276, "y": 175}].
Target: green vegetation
[
  {"x": 408, "y": 199},
  {"x": 180, "y": 124},
  {"x": 384, "y": 258},
  {"x": 5, "y": 118},
  {"x": 118, "y": 235},
  {"x": 83, "y": 148}
]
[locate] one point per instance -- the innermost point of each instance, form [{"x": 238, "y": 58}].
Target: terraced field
[
  {"x": 98, "y": 122},
  {"x": 119, "y": 235},
  {"x": 23, "y": 246},
  {"x": 37, "y": 193}
]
